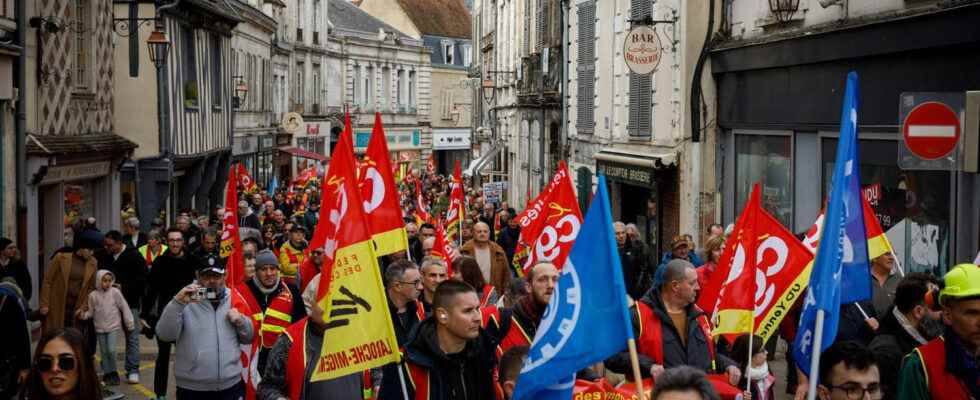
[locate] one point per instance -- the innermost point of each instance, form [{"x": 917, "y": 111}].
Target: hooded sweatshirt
[{"x": 107, "y": 307}]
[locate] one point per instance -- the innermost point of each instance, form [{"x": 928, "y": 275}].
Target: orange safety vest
[
  {"x": 941, "y": 383},
  {"x": 651, "y": 341},
  {"x": 515, "y": 336},
  {"x": 274, "y": 320},
  {"x": 296, "y": 364},
  {"x": 148, "y": 254}
]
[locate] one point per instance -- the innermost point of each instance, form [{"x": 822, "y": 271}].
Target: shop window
[
  {"x": 911, "y": 206},
  {"x": 767, "y": 160},
  {"x": 78, "y": 201},
  {"x": 189, "y": 65}
]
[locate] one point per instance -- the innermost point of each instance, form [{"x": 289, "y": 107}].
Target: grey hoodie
[
  {"x": 208, "y": 345},
  {"x": 108, "y": 307}
]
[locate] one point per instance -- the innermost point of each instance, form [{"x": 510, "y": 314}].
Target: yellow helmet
[{"x": 961, "y": 281}]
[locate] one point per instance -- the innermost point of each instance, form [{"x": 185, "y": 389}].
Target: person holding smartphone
[{"x": 208, "y": 332}]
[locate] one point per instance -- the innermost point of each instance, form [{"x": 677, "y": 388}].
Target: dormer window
[{"x": 448, "y": 51}]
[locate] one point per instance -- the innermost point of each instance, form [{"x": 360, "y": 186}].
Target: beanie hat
[
  {"x": 88, "y": 239},
  {"x": 4, "y": 242},
  {"x": 266, "y": 257}
]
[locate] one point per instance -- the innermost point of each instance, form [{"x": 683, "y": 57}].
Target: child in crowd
[{"x": 110, "y": 312}]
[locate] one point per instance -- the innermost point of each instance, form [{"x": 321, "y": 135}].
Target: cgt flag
[
  {"x": 587, "y": 319},
  {"x": 782, "y": 270},
  {"x": 549, "y": 225},
  {"x": 245, "y": 180},
  {"x": 350, "y": 290},
  {"x": 840, "y": 273},
  {"x": 421, "y": 209},
  {"x": 456, "y": 212},
  {"x": 444, "y": 250},
  {"x": 380, "y": 195},
  {"x": 231, "y": 244}
]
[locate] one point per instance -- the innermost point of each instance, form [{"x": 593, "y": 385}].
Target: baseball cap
[
  {"x": 679, "y": 241},
  {"x": 213, "y": 264}
]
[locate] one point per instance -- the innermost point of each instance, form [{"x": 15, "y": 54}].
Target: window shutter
[
  {"x": 526, "y": 45},
  {"x": 585, "y": 122},
  {"x": 542, "y": 23},
  {"x": 641, "y": 86}
]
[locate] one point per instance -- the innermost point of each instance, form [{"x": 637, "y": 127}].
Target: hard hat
[{"x": 961, "y": 281}]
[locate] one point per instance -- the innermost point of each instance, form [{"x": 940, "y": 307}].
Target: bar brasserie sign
[{"x": 642, "y": 50}]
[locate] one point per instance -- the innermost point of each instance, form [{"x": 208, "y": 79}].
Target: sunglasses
[{"x": 66, "y": 362}]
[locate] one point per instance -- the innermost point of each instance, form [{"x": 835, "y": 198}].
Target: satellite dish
[{"x": 291, "y": 122}]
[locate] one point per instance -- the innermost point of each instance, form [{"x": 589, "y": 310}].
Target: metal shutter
[
  {"x": 641, "y": 86},
  {"x": 586, "y": 67},
  {"x": 542, "y": 23}
]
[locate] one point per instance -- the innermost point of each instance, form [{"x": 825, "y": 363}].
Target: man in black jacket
[
  {"x": 133, "y": 237},
  {"x": 633, "y": 261},
  {"x": 129, "y": 268},
  {"x": 674, "y": 330},
  {"x": 246, "y": 217},
  {"x": 901, "y": 331},
  {"x": 509, "y": 235},
  {"x": 449, "y": 350},
  {"x": 171, "y": 272}
]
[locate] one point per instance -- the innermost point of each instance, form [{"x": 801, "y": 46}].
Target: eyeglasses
[
  {"x": 855, "y": 391},
  {"x": 66, "y": 362},
  {"x": 416, "y": 282},
  {"x": 175, "y": 240}
]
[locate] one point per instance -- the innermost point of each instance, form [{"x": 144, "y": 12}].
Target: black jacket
[
  {"x": 465, "y": 375},
  {"x": 249, "y": 221},
  {"x": 852, "y": 325},
  {"x": 130, "y": 272},
  {"x": 636, "y": 272},
  {"x": 127, "y": 239},
  {"x": 18, "y": 270},
  {"x": 168, "y": 275},
  {"x": 508, "y": 240},
  {"x": 695, "y": 353},
  {"x": 890, "y": 347}
]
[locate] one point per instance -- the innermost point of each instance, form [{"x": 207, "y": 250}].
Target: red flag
[
  {"x": 551, "y": 223},
  {"x": 430, "y": 166},
  {"x": 421, "y": 210},
  {"x": 779, "y": 278},
  {"x": 442, "y": 249},
  {"x": 380, "y": 195},
  {"x": 305, "y": 176},
  {"x": 245, "y": 181},
  {"x": 456, "y": 212},
  {"x": 231, "y": 244}
]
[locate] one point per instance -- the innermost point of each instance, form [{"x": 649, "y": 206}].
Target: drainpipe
[
  {"x": 3, "y": 141},
  {"x": 20, "y": 114},
  {"x": 563, "y": 127}
]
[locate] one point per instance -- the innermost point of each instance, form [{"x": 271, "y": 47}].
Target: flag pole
[
  {"x": 635, "y": 360},
  {"x": 401, "y": 379},
  {"x": 815, "y": 358},
  {"x": 748, "y": 379}
]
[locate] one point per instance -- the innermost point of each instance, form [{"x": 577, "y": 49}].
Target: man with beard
[
  {"x": 946, "y": 367},
  {"x": 448, "y": 355},
  {"x": 672, "y": 331},
  {"x": 274, "y": 304},
  {"x": 518, "y": 325},
  {"x": 901, "y": 329}
]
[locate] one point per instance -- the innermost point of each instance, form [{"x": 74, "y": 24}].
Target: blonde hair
[{"x": 715, "y": 243}]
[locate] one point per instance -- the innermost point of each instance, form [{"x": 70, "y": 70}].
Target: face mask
[{"x": 758, "y": 373}]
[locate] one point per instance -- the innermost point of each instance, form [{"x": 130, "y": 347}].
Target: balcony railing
[{"x": 535, "y": 81}]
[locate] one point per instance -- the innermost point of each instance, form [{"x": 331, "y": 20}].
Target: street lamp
[
  {"x": 783, "y": 10},
  {"x": 241, "y": 90},
  {"x": 488, "y": 86},
  {"x": 159, "y": 48}
]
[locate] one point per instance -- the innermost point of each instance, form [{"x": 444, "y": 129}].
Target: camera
[{"x": 200, "y": 294}]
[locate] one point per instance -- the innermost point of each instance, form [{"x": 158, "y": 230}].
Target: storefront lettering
[
  {"x": 633, "y": 175},
  {"x": 74, "y": 172}
]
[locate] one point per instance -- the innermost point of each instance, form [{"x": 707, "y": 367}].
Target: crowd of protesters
[{"x": 463, "y": 336}]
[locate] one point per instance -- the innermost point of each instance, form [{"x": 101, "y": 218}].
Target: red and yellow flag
[
  {"x": 457, "y": 209},
  {"x": 231, "y": 244},
  {"x": 443, "y": 249},
  {"x": 380, "y": 195},
  {"x": 421, "y": 209},
  {"x": 762, "y": 272},
  {"x": 549, "y": 225},
  {"x": 245, "y": 180},
  {"x": 878, "y": 243},
  {"x": 350, "y": 291}
]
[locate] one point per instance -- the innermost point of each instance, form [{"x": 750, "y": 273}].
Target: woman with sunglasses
[{"x": 63, "y": 369}]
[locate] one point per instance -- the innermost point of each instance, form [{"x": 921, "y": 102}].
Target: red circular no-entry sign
[{"x": 931, "y": 130}]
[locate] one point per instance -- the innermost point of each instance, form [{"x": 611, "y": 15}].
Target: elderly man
[
  {"x": 274, "y": 303},
  {"x": 490, "y": 256},
  {"x": 133, "y": 237},
  {"x": 433, "y": 273},
  {"x": 672, "y": 331},
  {"x": 246, "y": 217},
  {"x": 633, "y": 261},
  {"x": 884, "y": 283}
]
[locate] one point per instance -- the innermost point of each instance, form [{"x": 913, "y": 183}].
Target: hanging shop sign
[{"x": 642, "y": 50}]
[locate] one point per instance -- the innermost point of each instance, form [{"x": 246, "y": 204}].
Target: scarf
[
  {"x": 758, "y": 373},
  {"x": 907, "y": 326},
  {"x": 262, "y": 288},
  {"x": 531, "y": 309}
]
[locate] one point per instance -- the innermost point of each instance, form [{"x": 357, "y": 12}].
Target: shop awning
[
  {"x": 298, "y": 152},
  {"x": 652, "y": 159},
  {"x": 477, "y": 165}
]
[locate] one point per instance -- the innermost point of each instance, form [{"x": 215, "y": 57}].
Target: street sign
[
  {"x": 493, "y": 191},
  {"x": 642, "y": 50},
  {"x": 931, "y": 130}
]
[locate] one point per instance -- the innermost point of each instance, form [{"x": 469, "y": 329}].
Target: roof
[
  {"x": 219, "y": 8},
  {"x": 100, "y": 143},
  {"x": 344, "y": 15},
  {"x": 448, "y": 18}
]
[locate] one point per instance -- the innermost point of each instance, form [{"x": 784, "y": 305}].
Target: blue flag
[
  {"x": 273, "y": 186},
  {"x": 587, "y": 319},
  {"x": 841, "y": 273}
]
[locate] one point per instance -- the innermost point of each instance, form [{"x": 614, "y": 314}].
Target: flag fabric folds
[
  {"x": 457, "y": 205},
  {"x": 587, "y": 319},
  {"x": 380, "y": 195},
  {"x": 442, "y": 249},
  {"x": 231, "y": 244},
  {"x": 840, "y": 273},
  {"x": 245, "y": 180},
  {"x": 273, "y": 186},
  {"x": 421, "y": 209},
  {"x": 736, "y": 299},
  {"x": 550, "y": 224},
  {"x": 350, "y": 290}
]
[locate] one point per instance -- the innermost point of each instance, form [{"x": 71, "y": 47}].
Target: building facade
[
  {"x": 72, "y": 147},
  {"x": 256, "y": 125},
  {"x": 780, "y": 76},
  {"x": 10, "y": 53},
  {"x": 636, "y": 129},
  {"x": 182, "y": 163},
  {"x": 444, "y": 28},
  {"x": 383, "y": 70}
]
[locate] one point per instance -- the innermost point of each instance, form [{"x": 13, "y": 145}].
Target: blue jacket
[{"x": 658, "y": 275}]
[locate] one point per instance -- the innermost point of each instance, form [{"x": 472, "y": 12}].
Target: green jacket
[{"x": 912, "y": 380}]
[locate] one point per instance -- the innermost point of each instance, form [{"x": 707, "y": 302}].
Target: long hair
[
  {"x": 88, "y": 386},
  {"x": 740, "y": 349},
  {"x": 469, "y": 270}
]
